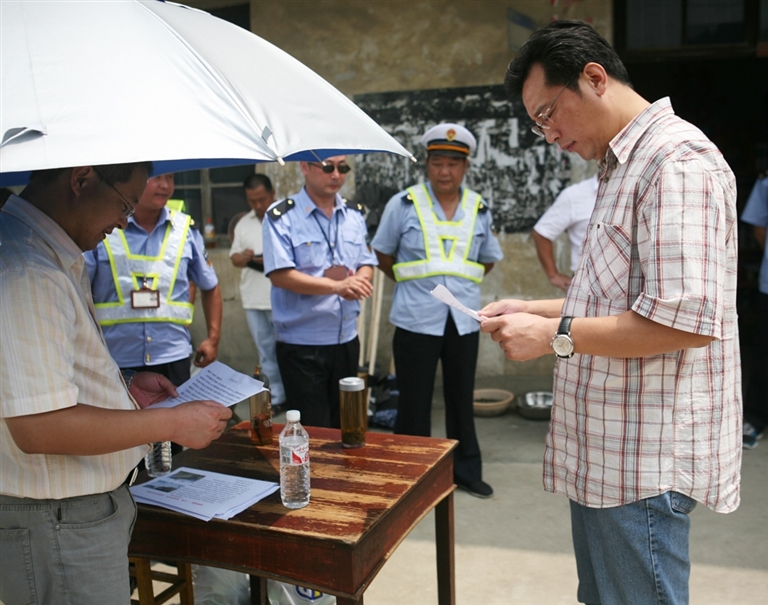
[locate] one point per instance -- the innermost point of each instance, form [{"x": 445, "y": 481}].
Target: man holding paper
[
  {"x": 439, "y": 233},
  {"x": 71, "y": 431}
]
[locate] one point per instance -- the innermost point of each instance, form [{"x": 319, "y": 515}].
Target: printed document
[
  {"x": 203, "y": 494},
  {"x": 216, "y": 382}
]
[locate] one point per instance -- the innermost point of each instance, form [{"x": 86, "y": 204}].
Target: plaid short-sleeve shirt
[{"x": 662, "y": 242}]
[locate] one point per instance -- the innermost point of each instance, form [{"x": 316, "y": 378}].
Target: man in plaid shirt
[{"x": 646, "y": 420}]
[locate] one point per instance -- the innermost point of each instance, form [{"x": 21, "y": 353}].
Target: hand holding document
[
  {"x": 216, "y": 382},
  {"x": 203, "y": 494},
  {"x": 442, "y": 294}
]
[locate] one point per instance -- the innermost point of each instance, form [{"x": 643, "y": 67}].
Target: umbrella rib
[{"x": 223, "y": 82}]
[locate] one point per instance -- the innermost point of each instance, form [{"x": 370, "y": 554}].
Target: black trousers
[
  {"x": 756, "y": 393},
  {"x": 311, "y": 375},
  {"x": 416, "y": 357},
  {"x": 178, "y": 372}
]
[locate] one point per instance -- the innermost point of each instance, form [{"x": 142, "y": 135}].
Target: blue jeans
[
  {"x": 75, "y": 550},
  {"x": 263, "y": 332},
  {"x": 636, "y": 554}
]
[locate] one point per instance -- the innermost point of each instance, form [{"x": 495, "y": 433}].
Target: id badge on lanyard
[
  {"x": 144, "y": 297},
  {"x": 336, "y": 271}
]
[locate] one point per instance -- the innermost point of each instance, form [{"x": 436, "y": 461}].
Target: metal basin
[{"x": 536, "y": 405}]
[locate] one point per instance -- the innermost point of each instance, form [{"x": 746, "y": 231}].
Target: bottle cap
[
  {"x": 351, "y": 384},
  {"x": 293, "y": 415}
]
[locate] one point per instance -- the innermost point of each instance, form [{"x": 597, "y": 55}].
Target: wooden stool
[{"x": 180, "y": 584}]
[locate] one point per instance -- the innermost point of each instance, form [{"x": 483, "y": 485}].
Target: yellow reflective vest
[
  {"x": 129, "y": 270},
  {"x": 436, "y": 232}
]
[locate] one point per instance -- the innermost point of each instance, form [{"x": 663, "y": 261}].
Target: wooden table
[{"x": 364, "y": 502}]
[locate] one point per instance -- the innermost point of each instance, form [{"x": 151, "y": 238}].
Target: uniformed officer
[
  {"x": 141, "y": 279},
  {"x": 316, "y": 256},
  {"x": 434, "y": 233}
]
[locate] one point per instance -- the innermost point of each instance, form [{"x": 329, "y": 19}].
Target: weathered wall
[{"x": 378, "y": 46}]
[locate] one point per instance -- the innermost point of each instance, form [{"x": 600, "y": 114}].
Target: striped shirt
[
  {"x": 662, "y": 242},
  {"x": 52, "y": 356}
]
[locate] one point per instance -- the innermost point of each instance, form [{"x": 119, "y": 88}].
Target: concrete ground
[{"x": 516, "y": 547}]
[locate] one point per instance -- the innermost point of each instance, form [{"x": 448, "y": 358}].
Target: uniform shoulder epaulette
[
  {"x": 354, "y": 205},
  {"x": 285, "y": 206},
  {"x": 482, "y": 208},
  {"x": 407, "y": 199}
]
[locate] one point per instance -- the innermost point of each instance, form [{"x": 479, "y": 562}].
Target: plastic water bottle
[
  {"x": 158, "y": 460},
  {"x": 294, "y": 462}
]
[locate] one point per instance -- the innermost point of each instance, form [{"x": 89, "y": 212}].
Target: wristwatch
[{"x": 562, "y": 344}]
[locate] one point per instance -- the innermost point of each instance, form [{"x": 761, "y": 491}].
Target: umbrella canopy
[{"x": 88, "y": 83}]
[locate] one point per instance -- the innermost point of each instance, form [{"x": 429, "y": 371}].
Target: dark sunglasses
[{"x": 329, "y": 168}]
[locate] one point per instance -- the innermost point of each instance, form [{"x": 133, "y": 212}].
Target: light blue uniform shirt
[
  {"x": 303, "y": 238},
  {"x": 150, "y": 343},
  {"x": 413, "y": 307},
  {"x": 756, "y": 213}
]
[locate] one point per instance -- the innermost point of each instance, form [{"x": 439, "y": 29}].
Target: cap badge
[{"x": 451, "y": 134}]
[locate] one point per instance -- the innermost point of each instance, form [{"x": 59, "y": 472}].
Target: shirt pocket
[
  {"x": 310, "y": 254},
  {"x": 478, "y": 241},
  {"x": 351, "y": 252},
  {"x": 412, "y": 241},
  {"x": 609, "y": 253}
]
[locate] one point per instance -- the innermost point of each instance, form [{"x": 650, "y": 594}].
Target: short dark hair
[
  {"x": 114, "y": 173},
  {"x": 563, "y": 48},
  {"x": 257, "y": 180}
]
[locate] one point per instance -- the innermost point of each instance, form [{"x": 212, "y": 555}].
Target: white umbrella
[{"x": 122, "y": 81}]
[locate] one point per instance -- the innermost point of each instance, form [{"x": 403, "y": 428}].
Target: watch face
[{"x": 562, "y": 345}]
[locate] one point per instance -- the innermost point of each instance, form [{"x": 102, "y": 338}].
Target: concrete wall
[{"x": 388, "y": 45}]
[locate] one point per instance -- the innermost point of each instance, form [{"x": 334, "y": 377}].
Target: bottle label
[{"x": 300, "y": 454}]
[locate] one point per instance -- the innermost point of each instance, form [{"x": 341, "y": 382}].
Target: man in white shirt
[
  {"x": 71, "y": 430},
  {"x": 255, "y": 287},
  {"x": 570, "y": 212}
]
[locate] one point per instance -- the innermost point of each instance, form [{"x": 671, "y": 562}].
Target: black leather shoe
[{"x": 478, "y": 489}]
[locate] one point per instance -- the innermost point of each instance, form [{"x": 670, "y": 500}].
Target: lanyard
[{"x": 332, "y": 247}]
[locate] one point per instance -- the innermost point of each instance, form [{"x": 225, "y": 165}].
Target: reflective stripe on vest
[
  {"x": 436, "y": 232},
  {"x": 129, "y": 270}
]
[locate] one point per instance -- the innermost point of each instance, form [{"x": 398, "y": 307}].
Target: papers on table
[
  {"x": 443, "y": 294},
  {"x": 203, "y": 494},
  {"x": 216, "y": 382}
]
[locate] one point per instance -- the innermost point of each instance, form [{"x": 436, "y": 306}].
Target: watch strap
[{"x": 565, "y": 325}]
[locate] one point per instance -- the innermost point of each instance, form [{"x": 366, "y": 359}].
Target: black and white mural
[{"x": 517, "y": 173}]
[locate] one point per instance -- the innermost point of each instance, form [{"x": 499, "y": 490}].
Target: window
[
  {"x": 689, "y": 26},
  {"x": 215, "y": 192}
]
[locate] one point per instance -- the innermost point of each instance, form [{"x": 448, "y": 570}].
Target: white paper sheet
[
  {"x": 203, "y": 494},
  {"x": 216, "y": 382},
  {"x": 443, "y": 294}
]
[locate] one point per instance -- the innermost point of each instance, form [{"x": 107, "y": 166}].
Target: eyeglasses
[
  {"x": 542, "y": 120},
  {"x": 128, "y": 209},
  {"x": 329, "y": 168}
]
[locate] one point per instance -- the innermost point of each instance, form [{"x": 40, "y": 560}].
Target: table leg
[
  {"x": 186, "y": 593},
  {"x": 259, "y": 591},
  {"x": 444, "y": 541},
  {"x": 144, "y": 581},
  {"x": 344, "y": 601}
]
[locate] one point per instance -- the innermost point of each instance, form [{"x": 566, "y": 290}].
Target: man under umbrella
[
  {"x": 316, "y": 257},
  {"x": 71, "y": 430}
]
